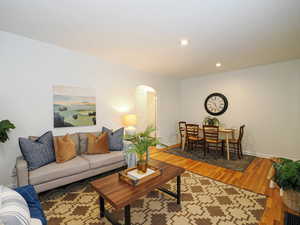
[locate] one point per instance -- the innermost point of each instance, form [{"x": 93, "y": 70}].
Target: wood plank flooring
[{"x": 253, "y": 179}]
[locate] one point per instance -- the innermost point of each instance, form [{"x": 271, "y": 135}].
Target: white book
[{"x": 136, "y": 176}]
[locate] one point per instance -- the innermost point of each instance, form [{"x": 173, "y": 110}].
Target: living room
[{"x": 250, "y": 53}]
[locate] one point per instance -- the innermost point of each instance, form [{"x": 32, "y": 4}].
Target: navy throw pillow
[
  {"x": 39, "y": 152},
  {"x": 115, "y": 139},
  {"x": 34, "y": 205}
]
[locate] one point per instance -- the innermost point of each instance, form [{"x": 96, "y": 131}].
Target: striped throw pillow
[{"x": 13, "y": 208}]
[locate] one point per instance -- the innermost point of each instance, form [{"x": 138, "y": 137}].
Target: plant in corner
[
  {"x": 141, "y": 142},
  {"x": 287, "y": 177},
  {"x": 5, "y": 126}
]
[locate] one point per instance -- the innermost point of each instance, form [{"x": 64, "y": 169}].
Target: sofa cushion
[
  {"x": 98, "y": 144},
  {"x": 38, "y": 152},
  {"x": 29, "y": 194},
  {"x": 55, "y": 170},
  {"x": 65, "y": 149},
  {"x": 14, "y": 209},
  {"x": 115, "y": 138},
  {"x": 75, "y": 139},
  {"x": 100, "y": 160},
  {"x": 83, "y": 140}
]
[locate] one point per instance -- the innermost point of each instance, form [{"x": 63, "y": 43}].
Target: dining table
[{"x": 228, "y": 132}]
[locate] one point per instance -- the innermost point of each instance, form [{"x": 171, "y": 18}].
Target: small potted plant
[
  {"x": 211, "y": 121},
  {"x": 287, "y": 177},
  {"x": 5, "y": 126},
  {"x": 141, "y": 142}
]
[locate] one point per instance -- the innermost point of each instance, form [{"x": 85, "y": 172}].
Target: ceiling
[{"x": 145, "y": 34}]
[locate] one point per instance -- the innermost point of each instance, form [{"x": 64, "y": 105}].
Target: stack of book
[{"x": 133, "y": 177}]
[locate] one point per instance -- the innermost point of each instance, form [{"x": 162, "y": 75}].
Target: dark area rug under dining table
[{"x": 215, "y": 158}]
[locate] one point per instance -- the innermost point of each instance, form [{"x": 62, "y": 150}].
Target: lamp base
[{"x": 130, "y": 130}]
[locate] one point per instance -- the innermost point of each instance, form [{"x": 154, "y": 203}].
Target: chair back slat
[
  {"x": 192, "y": 130},
  {"x": 182, "y": 127},
  {"x": 211, "y": 132},
  {"x": 241, "y": 133}
]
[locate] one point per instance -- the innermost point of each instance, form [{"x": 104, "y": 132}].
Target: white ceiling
[{"x": 145, "y": 34}]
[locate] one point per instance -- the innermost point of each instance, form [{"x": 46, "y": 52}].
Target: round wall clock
[{"x": 216, "y": 104}]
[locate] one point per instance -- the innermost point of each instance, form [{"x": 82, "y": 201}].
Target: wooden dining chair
[
  {"x": 182, "y": 127},
  {"x": 211, "y": 139},
  {"x": 236, "y": 144},
  {"x": 192, "y": 136}
]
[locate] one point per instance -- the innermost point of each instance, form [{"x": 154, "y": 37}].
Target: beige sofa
[{"x": 82, "y": 166}]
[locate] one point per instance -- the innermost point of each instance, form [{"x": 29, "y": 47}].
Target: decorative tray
[{"x": 132, "y": 177}]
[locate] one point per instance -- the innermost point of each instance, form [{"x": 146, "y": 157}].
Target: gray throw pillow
[
  {"x": 38, "y": 152},
  {"x": 83, "y": 141},
  {"x": 115, "y": 139}
]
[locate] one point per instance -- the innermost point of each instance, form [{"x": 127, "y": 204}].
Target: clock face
[{"x": 216, "y": 104}]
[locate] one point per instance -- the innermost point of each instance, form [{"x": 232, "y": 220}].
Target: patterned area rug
[
  {"x": 204, "y": 202},
  {"x": 215, "y": 158}
]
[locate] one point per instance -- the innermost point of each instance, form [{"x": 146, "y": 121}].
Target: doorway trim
[{"x": 142, "y": 106}]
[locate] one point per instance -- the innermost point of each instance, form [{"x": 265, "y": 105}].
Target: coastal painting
[{"x": 74, "y": 106}]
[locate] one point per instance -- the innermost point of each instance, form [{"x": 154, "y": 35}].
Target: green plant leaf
[
  {"x": 287, "y": 174},
  {"x": 142, "y": 141},
  {"x": 5, "y": 126}
]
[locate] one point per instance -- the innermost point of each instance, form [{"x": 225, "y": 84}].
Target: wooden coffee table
[{"x": 120, "y": 194}]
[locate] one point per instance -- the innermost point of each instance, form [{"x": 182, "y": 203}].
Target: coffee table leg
[
  {"x": 127, "y": 215},
  {"x": 178, "y": 189},
  {"x": 102, "y": 208},
  {"x": 176, "y": 195}
]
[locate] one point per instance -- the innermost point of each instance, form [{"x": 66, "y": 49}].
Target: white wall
[
  {"x": 29, "y": 69},
  {"x": 265, "y": 98}
]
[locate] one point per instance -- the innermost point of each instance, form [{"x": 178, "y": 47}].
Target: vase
[
  {"x": 142, "y": 166},
  {"x": 291, "y": 199},
  {"x": 142, "y": 163}
]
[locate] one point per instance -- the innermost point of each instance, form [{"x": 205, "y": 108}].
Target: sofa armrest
[
  {"x": 22, "y": 172},
  {"x": 126, "y": 145},
  {"x": 130, "y": 157}
]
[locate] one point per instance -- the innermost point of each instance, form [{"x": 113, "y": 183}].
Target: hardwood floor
[{"x": 253, "y": 179}]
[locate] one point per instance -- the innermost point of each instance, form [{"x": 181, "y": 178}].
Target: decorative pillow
[
  {"x": 83, "y": 141},
  {"x": 75, "y": 139},
  {"x": 29, "y": 194},
  {"x": 98, "y": 145},
  {"x": 14, "y": 209},
  {"x": 115, "y": 139},
  {"x": 64, "y": 148},
  {"x": 39, "y": 152}
]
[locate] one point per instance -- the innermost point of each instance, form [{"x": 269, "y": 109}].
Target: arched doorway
[{"x": 146, "y": 107}]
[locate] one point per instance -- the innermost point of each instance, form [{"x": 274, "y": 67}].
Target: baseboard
[
  {"x": 267, "y": 156},
  {"x": 257, "y": 154},
  {"x": 261, "y": 155},
  {"x": 169, "y": 147}
]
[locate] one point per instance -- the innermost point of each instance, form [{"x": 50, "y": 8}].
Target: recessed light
[
  {"x": 218, "y": 64},
  {"x": 184, "y": 42}
]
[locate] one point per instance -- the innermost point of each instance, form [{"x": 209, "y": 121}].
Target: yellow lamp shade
[{"x": 129, "y": 120}]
